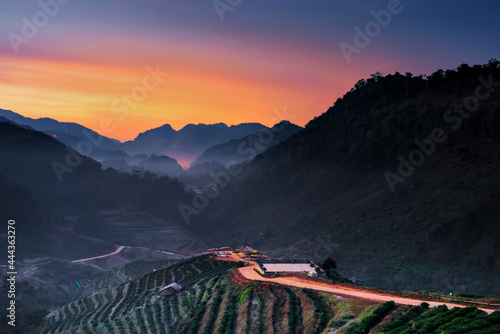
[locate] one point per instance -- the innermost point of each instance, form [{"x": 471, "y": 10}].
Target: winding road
[
  {"x": 118, "y": 250},
  {"x": 249, "y": 273}
]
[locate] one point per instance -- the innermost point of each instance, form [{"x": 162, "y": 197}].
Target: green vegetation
[
  {"x": 367, "y": 323},
  {"x": 322, "y": 312},
  {"x": 227, "y": 323},
  {"x": 294, "y": 305},
  {"x": 211, "y": 301},
  {"x": 325, "y": 192},
  {"x": 329, "y": 263},
  {"x": 214, "y": 309},
  {"x": 466, "y": 299},
  {"x": 245, "y": 295},
  {"x": 421, "y": 319},
  {"x": 136, "y": 303}
]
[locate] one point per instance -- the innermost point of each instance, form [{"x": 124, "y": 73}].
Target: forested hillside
[
  {"x": 339, "y": 187},
  {"x": 42, "y": 182}
]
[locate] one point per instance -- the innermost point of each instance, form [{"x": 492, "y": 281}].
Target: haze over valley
[{"x": 249, "y": 167}]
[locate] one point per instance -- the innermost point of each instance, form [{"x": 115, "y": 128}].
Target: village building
[
  {"x": 246, "y": 249},
  {"x": 215, "y": 251},
  {"x": 170, "y": 290},
  {"x": 272, "y": 267}
]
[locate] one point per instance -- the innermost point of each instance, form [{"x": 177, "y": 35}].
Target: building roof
[
  {"x": 174, "y": 286},
  {"x": 246, "y": 248},
  {"x": 218, "y": 249},
  {"x": 287, "y": 267}
]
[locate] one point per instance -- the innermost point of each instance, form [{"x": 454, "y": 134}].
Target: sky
[{"x": 140, "y": 64}]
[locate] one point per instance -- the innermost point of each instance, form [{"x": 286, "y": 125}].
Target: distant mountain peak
[
  {"x": 68, "y": 133},
  {"x": 187, "y": 143},
  {"x": 166, "y": 127},
  {"x": 230, "y": 151},
  {"x": 247, "y": 123},
  {"x": 220, "y": 124},
  {"x": 283, "y": 122},
  {"x": 203, "y": 125}
]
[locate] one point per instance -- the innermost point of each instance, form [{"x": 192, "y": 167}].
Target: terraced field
[
  {"x": 421, "y": 319},
  {"x": 129, "y": 271},
  {"x": 210, "y": 302},
  {"x": 216, "y": 299},
  {"x": 135, "y": 304},
  {"x": 141, "y": 229}
]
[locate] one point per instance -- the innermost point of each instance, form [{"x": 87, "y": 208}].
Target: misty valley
[
  {"x": 249, "y": 167},
  {"x": 91, "y": 236}
]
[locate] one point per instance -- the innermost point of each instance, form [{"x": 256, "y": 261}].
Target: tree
[
  {"x": 376, "y": 76},
  {"x": 361, "y": 83},
  {"x": 329, "y": 263}
]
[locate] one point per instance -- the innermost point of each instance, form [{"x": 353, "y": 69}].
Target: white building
[
  {"x": 284, "y": 266},
  {"x": 313, "y": 273}
]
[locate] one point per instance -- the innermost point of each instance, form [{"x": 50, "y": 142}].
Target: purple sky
[{"x": 263, "y": 55}]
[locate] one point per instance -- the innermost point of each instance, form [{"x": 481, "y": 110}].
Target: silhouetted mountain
[
  {"x": 143, "y": 163},
  {"x": 197, "y": 176},
  {"x": 6, "y": 120},
  {"x": 103, "y": 154},
  {"x": 119, "y": 165},
  {"x": 162, "y": 165},
  {"x": 17, "y": 203},
  {"x": 68, "y": 133},
  {"x": 326, "y": 191},
  {"x": 187, "y": 143},
  {"x": 184, "y": 145},
  {"x": 238, "y": 150},
  {"x": 70, "y": 185}
]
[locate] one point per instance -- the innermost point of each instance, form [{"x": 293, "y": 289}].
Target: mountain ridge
[
  {"x": 233, "y": 151},
  {"x": 323, "y": 191},
  {"x": 188, "y": 142},
  {"x": 183, "y": 145},
  {"x": 71, "y": 133}
]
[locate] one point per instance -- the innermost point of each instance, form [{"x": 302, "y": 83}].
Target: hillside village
[
  {"x": 264, "y": 265},
  {"x": 214, "y": 293}
]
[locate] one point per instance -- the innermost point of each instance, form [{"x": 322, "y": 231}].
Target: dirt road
[
  {"x": 118, "y": 250},
  {"x": 249, "y": 273}
]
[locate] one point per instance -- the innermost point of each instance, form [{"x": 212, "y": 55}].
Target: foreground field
[
  {"x": 216, "y": 298},
  {"x": 250, "y": 274}
]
